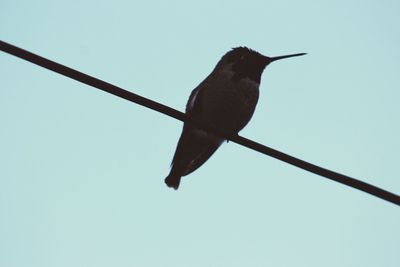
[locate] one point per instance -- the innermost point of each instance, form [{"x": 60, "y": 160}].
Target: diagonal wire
[{"x": 112, "y": 89}]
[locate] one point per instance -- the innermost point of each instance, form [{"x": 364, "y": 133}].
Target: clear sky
[{"x": 82, "y": 172}]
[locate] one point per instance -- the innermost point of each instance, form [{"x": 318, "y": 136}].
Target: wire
[{"x": 112, "y": 89}]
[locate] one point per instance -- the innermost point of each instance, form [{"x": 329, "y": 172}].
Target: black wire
[{"x": 112, "y": 89}]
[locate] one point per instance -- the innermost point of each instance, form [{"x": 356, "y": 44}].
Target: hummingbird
[{"x": 225, "y": 101}]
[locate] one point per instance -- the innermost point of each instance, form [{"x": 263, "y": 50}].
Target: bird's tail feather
[{"x": 173, "y": 180}]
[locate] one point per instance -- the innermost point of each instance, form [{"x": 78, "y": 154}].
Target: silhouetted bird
[{"x": 225, "y": 100}]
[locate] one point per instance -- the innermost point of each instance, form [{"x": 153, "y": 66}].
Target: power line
[{"x": 112, "y": 89}]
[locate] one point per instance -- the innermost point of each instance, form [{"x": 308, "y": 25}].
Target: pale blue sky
[{"x": 81, "y": 177}]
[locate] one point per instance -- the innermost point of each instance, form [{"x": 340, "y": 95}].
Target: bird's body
[{"x": 225, "y": 101}]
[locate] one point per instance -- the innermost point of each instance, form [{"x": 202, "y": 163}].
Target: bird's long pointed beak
[{"x": 272, "y": 59}]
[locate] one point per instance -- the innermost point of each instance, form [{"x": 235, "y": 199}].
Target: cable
[{"x": 112, "y": 89}]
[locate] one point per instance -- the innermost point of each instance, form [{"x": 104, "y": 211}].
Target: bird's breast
[{"x": 227, "y": 104}]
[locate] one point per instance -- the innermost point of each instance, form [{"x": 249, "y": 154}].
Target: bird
[{"x": 225, "y": 101}]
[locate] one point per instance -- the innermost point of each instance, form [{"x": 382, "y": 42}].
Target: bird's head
[{"x": 247, "y": 63}]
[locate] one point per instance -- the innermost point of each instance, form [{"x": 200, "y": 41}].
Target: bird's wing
[
  {"x": 195, "y": 147},
  {"x": 194, "y": 104},
  {"x": 193, "y": 98},
  {"x": 201, "y": 158}
]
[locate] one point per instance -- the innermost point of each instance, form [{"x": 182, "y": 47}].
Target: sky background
[{"x": 82, "y": 171}]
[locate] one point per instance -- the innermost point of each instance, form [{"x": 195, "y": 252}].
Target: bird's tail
[{"x": 173, "y": 180}]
